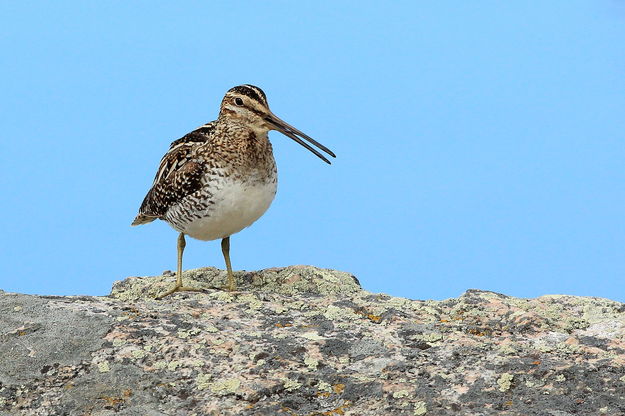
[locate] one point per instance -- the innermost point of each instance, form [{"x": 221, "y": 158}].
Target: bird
[{"x": 221, "y": 177}]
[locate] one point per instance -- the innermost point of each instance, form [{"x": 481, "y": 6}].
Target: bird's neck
[{"x": 252, "y": 140}]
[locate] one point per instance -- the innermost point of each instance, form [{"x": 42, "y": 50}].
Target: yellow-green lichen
[
  {"x": 420, "y": 409},
  {"x": 211, "y": 328},
  {"x": 222, "y": 296},
  {"x": 160, "y": 365},
  {"x": 324, "y": 387},
  {"x": 568, "y": 348},
  {"x": 186, "y": 333},
  {"x": 291, "y": 385},
  {"x": 297, "y": 304},
  {"x": 279, "y": 309},
  {"x": 225, "y": 387},
  {"x": 311, "y": 362},
  {"x": 335, "y": 313},
  {"x": 203, "y": 381},
  {"x": 507, "y": 349},
  {"x": 252, "y": 301},
  {"x": 138, "y": 354},
  {"x": 103, "y": 367},
  {"x": 505, "y": 381},
  {"x": 431, "y": 337},
  {"x": 401, "y": 394},
  {"x": 402, "y": 303},
  {"x": 313, "y": 336},
  {"x": 544, "y": 348}
]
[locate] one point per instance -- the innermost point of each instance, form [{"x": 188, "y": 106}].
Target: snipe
[{"x": 221, "y": 177}]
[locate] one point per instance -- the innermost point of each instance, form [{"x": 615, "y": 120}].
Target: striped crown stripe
[{"x": 251, "y": 91}]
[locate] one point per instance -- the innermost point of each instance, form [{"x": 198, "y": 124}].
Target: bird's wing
[{"x": 178, "y": 175}]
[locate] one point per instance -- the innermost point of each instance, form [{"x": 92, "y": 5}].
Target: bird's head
[{"x": 247, "y": 104}]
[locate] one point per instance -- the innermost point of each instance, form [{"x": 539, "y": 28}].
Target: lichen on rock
[{"x": 306, "y": 341}]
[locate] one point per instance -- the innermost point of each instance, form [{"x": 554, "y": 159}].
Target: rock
[{"x": 306, "y": 341}]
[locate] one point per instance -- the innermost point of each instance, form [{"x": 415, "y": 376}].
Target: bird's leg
[
  {"x": 178, "y": 286},
  {"x": 225, "y": 249}
]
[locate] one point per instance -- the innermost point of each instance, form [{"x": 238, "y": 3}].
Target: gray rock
[
  {"x": 307, "y": 341},
  {"x": 39, "y": 332}
]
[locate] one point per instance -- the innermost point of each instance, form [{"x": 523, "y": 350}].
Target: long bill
[{"x": 290, "y": 131}]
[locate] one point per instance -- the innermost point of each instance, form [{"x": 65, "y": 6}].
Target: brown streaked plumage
[{"x": 221, "y": 177}]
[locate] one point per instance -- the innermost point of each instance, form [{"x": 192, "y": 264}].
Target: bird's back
[{"x": 178, "y": 175}]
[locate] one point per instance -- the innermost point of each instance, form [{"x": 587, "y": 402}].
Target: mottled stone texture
[{"x": 306, "y": 341}]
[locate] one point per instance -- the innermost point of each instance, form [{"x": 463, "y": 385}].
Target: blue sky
[{"x": 480, "y": 144}]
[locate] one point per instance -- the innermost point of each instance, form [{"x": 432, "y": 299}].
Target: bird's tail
[{"x": 142, "y": 219}]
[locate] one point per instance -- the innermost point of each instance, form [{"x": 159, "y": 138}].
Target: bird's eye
[{"x": 238, "y": 101}]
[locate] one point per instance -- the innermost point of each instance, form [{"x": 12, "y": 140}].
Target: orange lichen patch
[
  {"x": 508, "y": 403},
  {"x": 323, "y": 394},
  {"x": 22, "y": 330},
  {"x": 281, "y": 325},
  {"x": 376, "y": 319},
  {"x": 308, "y": 326},
  {"x": 478, "y": 332},
  {"x": 459, "y": 316},
  {"x": 338, "y": 388},
  {"x": 338, "y": 411},
  {"x": 537, "y": 362},
  {"x": 114, "y": 401},
  {"x": 111, "y": 401}
]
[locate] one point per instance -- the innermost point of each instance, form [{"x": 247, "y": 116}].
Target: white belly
[{"x": 236, "y": 206}]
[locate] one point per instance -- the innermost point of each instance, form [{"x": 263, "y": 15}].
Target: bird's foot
[
  {"x": 230, "y": 289},
  {"x": 231, "y": 286},
  {"x": 179, "y": 288}
]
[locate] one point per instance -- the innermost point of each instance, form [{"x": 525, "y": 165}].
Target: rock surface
[{"x": 307, "y": 341}]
